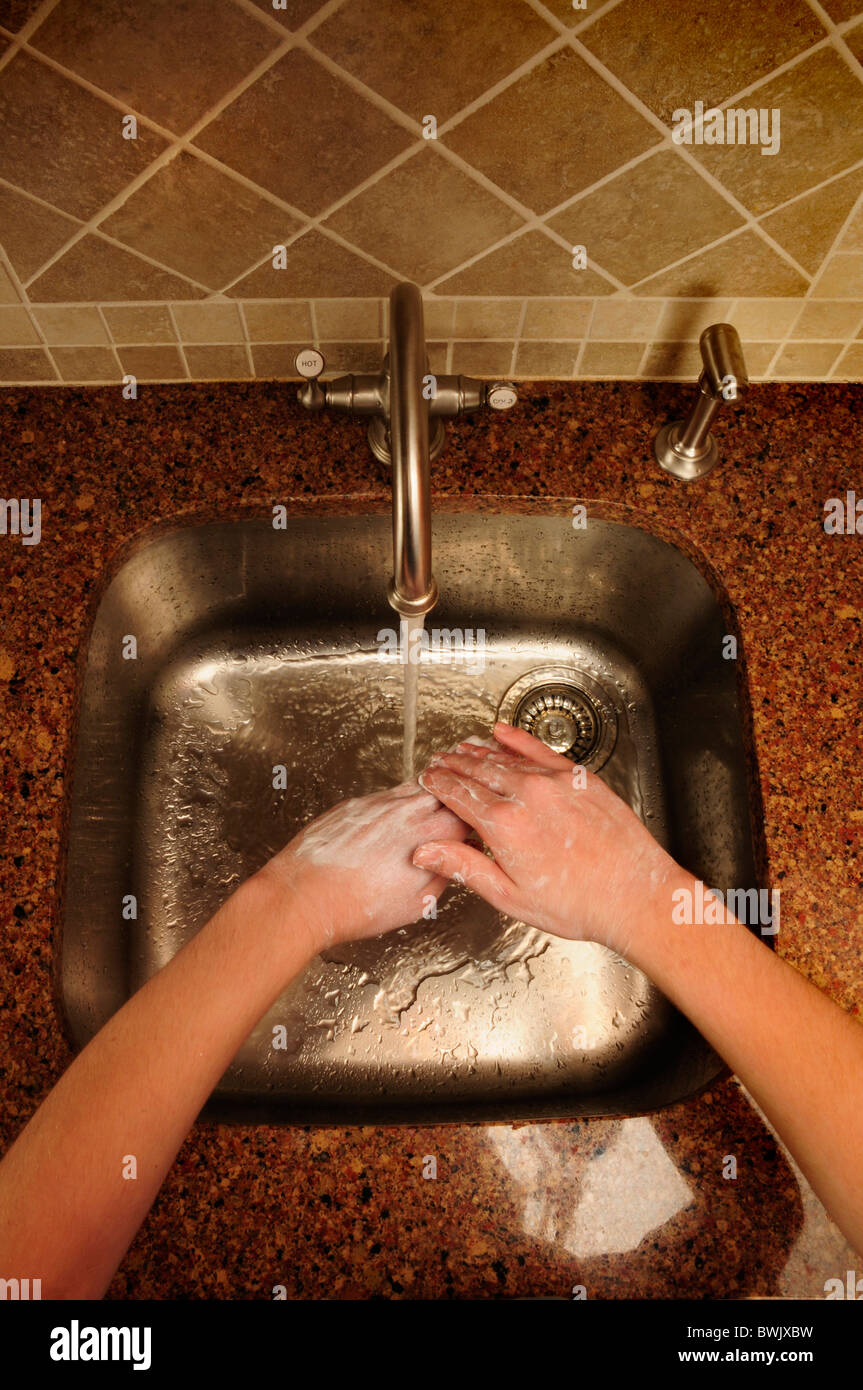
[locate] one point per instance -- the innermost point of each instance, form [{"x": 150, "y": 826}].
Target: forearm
[
  {"x": 67, "y": 1212},
  {"x": 799, "y": 1055}
]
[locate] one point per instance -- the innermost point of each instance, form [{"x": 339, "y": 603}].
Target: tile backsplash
[{"x": 198, "y": 188}]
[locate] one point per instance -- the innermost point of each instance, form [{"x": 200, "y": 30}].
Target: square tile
[
  {"x": 218, "y": 363},
  {"x": 482, "y": 359},
  {"x": 566, "y": 319},
  {"x": 25, "y": 365},
  {"x": 433, "y": 68},
  {"x": 407, "y": 219},
  {"x": 850, "y": 364},
  {"x": 829, "y": 321},
  {"x": 353, "y": 357},
  {"x": 618, "y": 319},
  {"x": 532, "y": 264},
  {"x": 821, "y": 130},
  {"x": 30, "y": 233},
  {"x": 313, "y": 162},
  {"x": 661, "y": 193},
  {"x": 674, "y": 55},
  {"x": 86, "y": 364},
  {"x": 611, "y": 359},
  {"x": 758, "y": 359},
  {"x": 196, "y": 220},
  {"x": 349, "y": 319},
  {"x": 546, "y": 360},
  {"x": 208, "y": 323},
  {"x": 76, "y": 327},
  {"x": 741, "y": 265},
  {"x": 139, "y": 324},
  {"x": 62, "y": 143},
  {"x": 439, "y": 315},
  {"x": 96, "y": 270},
  {"x": 315, "y": 264},
  {"x": 556, "y": 130},
  {"x": 684, "y": 320},
  {"x": 276, "y": 361},
  {"x": 677, "y": 360},
  {"x": 140, "y": 53},
  {"x": 278, "y": 322},
  {"x": 152, "y": 363},
  {"x": 813, "y": 361},
  {"x": 765, "y": 319},
  {"x": 486, "y": 318},
  {"x": 16, "y": 328}
]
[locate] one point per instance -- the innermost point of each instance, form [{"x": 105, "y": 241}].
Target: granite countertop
[{"x": 628, "y": 1208}]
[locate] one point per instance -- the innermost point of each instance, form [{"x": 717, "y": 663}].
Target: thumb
[{"x": 462, "y": 864}]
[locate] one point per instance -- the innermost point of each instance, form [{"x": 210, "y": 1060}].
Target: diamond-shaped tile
[
  {"x": 742, "y": 265},
  {"x": 821, "y": 133},
  {"x": 673, "y": 55},
  {"x": 303, "y": 134},
  {"x": 94, "y": 270},
  {"x": 316, "y": 265},
  {"x": 530, "y": 264},
  {"x": 854, "y": 40},
  {"x": 30, "y": 233},
  {"x": 140, "y": 54},
  {"x": 661, "y": 193},
  {"x": 200, "y": 221},
  {"x": 555, "y": 131},
  {"x": 15, "y": 13},
  {"x": 446, "y": 55},
  {"x": 808, "y": 227},
  {"x": 425, "y": 217},
  {"x": 62, "y": 143}
]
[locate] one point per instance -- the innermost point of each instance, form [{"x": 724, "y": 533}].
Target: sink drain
[{"x": 567, "y": 710}]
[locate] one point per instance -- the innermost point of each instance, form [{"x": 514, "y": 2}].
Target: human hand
[
  {"x": 572, "y": 859},
  {"x": 350, "y": 872}
]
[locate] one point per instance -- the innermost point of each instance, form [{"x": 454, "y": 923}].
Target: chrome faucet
[
  {"x": 407, "y": 404},
  {"x": 686, "y": 448}
]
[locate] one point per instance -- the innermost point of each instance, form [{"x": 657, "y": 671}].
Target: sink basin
[{"x": 260, "y": 649}]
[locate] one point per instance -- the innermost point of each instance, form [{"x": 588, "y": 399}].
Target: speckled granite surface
[{"x": 633, "y": 1207}]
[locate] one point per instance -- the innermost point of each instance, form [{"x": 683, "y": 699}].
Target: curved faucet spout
[{"x": 412, "y": 589}]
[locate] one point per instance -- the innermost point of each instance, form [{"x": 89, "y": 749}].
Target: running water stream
[{"x": 408, "y": 627}]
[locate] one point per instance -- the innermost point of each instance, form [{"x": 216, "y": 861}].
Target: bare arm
[
  {"x": 576, "y": 861},
  {"x": 67, "y": 1213}
]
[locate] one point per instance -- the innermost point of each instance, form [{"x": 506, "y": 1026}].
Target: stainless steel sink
[{"x": 258, "y": 648}]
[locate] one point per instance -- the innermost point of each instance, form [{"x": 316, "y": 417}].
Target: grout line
[
  {"x": 111, "y": 343},
  {"x": 519, "y": 330},
  {"x": 180, "y": 344},
  {"x": 809, "y": 299},
  {"x": 576, "y": 366}
]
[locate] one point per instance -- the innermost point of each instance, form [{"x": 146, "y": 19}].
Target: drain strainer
[{"x": 567, "y": 710}]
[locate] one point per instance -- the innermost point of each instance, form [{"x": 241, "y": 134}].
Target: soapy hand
[
  {"x": 351, "y": 869},
  {"x": 572, "y": 859}
]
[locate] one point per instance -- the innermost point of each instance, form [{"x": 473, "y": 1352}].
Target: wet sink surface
[{"x": 263, "y": 691}]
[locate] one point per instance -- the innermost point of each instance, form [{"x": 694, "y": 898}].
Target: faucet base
[
  {"x": 412, "y": 607},
  {"x": 379, "y": 441},
  {"x": 688, "y": 464}
]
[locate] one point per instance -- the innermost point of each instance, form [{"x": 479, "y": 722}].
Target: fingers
[
  {"x": 519, "y": 741},
  {"x": 491, "y": 772},
  {"x": 469, "y": 799},
  {"x": 461, "y": 864}
]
